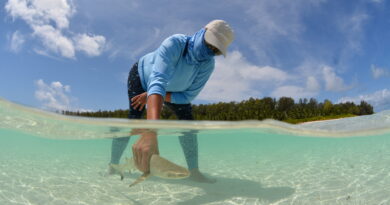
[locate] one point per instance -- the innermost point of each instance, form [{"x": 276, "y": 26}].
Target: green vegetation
[{"x": 284, "y": 109}]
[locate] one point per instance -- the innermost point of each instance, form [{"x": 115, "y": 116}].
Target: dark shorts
[{"x": 134, "y": 88}]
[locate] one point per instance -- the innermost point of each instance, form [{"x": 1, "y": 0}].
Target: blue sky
[{"x": 75, "y": 55}]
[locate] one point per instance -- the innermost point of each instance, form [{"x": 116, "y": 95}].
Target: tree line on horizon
[{"x": 284, "y": 109}]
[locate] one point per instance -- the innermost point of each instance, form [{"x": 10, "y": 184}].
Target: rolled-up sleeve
[
  {"x": 202, "y": 77},
  {"x": 167, "y": 55}
]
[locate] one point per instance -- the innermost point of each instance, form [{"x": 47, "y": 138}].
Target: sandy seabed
[{"x": 308, "y": 177}]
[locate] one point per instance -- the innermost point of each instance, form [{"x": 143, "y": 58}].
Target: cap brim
[{"x": 214, "y": 41}]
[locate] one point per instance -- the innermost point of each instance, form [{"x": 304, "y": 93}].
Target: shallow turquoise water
[{"x": 53, "y": 159}]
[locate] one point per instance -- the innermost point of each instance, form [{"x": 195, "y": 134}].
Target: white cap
[{"x": 219, "y": 34}]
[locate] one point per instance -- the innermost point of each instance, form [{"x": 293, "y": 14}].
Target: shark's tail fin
[
  {"x": 122, "y": 168},
  {"x": 119, "y": 169}
]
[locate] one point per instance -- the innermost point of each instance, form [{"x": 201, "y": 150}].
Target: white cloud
[
  {"x": 308, "y": 79},
  {"x": 332, "y": 81},
  {"x": 279, "y": 18},
  {"x": 236, "y": 79},
  {"x": 269, "y": 24},
  {"x": 351, "y": 25},
  {"x": 312, "y": 84},
  {"x": 54, "y": 41},
  {"x": 266, "y": 73},
  {"x": 379, "y": 99},
  {"x": 227, "y": 83},
  {"x": 41, "y": 12},
  {"x": 320, "y": 75},
  {"x": 312, "y": 88},
  {"x": 54, "y": 96},
  {"x": 91, "y": 45},
  {"x": 379, "y": 72},
  {"x": 17, "y": 41},
  {"x": 290, "y": 91},
  {"x": 50, "y": 20}
]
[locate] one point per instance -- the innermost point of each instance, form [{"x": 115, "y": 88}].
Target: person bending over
[{"x": 173, "y": 74}]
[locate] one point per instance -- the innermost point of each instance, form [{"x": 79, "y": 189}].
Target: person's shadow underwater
[{"x": 227, "y": 188}]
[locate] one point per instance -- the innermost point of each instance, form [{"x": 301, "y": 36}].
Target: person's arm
[
  {"x": 167, "y": 56},
  {"x": 155, "y": 103},
  {"x": 139, "y": 101},
  {"x": 168, "y": 97},
  {"x": 147, "y": 145}
]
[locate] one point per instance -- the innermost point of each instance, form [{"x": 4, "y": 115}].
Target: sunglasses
[{"x": 214, "y": 49}]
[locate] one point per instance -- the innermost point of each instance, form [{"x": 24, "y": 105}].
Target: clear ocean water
[{"x": 47, "y": 158}]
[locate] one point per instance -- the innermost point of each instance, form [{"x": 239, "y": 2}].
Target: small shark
[{"x": 159, "y": 167}]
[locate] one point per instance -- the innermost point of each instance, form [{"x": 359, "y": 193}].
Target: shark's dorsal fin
[{"x": 140, "y": 179}]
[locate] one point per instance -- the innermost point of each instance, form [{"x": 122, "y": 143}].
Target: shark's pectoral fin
[
  {"x": 140, "y": 179},
  {"x": 118, "y": 169}
]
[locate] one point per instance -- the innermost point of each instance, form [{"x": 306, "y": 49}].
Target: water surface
[{"x": 47, "y": 158}]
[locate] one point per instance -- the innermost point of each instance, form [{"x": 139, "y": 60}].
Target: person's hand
[
  {"x": 143, "y": 150},
  {"x": 139, "y": 101}
]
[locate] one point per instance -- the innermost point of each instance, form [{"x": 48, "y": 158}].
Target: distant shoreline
[
  {"x": 318, "y": 119},
  {"x": 314, "y": 121}
]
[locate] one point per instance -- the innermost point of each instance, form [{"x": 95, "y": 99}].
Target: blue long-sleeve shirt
[{"x": 167, "y": 70}]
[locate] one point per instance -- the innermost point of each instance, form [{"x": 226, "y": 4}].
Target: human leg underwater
[
  {"x": 189, "y": 142},
  {"x": 134, "y": 88},
  {"x": 188, "y": 139}
]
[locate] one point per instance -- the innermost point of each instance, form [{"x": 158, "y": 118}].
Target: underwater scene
[{"x": 49, "y": 158}]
